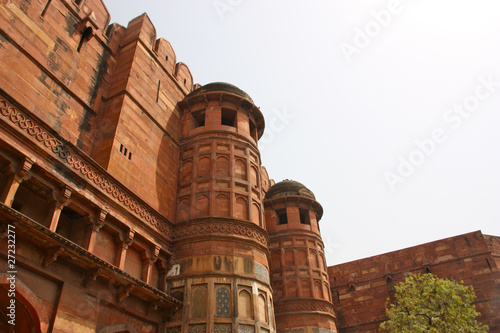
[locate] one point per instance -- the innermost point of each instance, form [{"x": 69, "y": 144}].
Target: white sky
[{"x": 343, "y": 108}]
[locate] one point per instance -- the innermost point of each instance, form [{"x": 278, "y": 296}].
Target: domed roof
[
  {"x": 220, "y": 86},
  {"x": 287, "y": 188}
]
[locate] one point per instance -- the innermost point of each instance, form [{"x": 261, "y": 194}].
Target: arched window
[
  {"x": 262, "y": 308},
  {"x": 301, "y": 258},
  {"x": 186, "y": 171},
  {"x": 291, "y": 289},
  {"x": 222, "y": 302},
  {"x": 204, "y": 167},
  {"x": 199, "y": 302},
  {"x": 241, "y": 209},
  {"x": 253, "y": 176},
  {"x": 183, "y": 209},
  {"x": 313, "y": 259},
  {"x": 306, "y": 288},
  {"x": 240, "y": 169},
  {"x": 202, "y": 206},
  {"x": 222, "y": 205},
  {"x": 256, "y": 214},
  {"x": 222, "y": 166},
  {"x": 245, "y": 309},
  {"x": 318, "y": 291}
]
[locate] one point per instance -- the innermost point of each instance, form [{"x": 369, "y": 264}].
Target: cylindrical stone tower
[
  {"x": 302, "y": 297},
  {"x": 219, "y": 238}
]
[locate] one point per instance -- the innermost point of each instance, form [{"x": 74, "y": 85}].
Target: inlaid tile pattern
[
  {"x": 222, "y": 328},
  {"x": 222, "y": 303},
  {"x": 199, "y": 328},
  {"x": 247, "y": 329},
  {"x": 261, "y": 272},
  {"x": 174, "y": 330},
  {"x": 199, "y": 301}
]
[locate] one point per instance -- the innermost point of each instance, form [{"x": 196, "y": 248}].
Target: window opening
[
  {"x": 304, "y": 216},
  {"x": 228, "y": 117},
  {"x": 282, "y": 216},
  {"x": 86, "y": 36},
  {"x": 198, "y": 118}
]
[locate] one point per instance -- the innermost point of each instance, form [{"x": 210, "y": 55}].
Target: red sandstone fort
[{"x": 133, "y": 200}]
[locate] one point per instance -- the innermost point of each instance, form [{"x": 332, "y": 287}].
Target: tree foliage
[{"x": 425, "y": 303}]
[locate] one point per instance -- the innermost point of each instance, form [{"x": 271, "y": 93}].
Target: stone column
[
  {"x": 60, "y": 201},
  {"x": 148, "y": 263},
  {"x": 96, "y": 224},
  {"x": 15, "y": 178},
  {"x": 122, "y": 254}
]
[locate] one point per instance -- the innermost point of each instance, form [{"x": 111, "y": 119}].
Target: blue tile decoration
[{"x": 222, "y": 302}]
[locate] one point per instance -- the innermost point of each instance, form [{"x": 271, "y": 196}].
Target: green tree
[{"x": 425, "y": 303}]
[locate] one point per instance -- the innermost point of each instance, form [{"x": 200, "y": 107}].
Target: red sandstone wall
[
  {"x": 360, "y": 288},
  {"x": 114, "y": 96},
  {"x": 139, "y": 129},
  {"x": 42, "y": 69}
]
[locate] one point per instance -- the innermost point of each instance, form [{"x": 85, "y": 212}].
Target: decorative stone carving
[
  {"x": 198, "y": 228},
  {"x": 51, "y": 256},
  {"x": 57, "y": 147},
  {"x": 301, "y": 305}
]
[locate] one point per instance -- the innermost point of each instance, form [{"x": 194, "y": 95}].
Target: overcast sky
[{"x": 387, "y": 110}]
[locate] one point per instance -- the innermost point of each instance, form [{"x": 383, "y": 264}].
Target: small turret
[{"x": 302, "y": 297}]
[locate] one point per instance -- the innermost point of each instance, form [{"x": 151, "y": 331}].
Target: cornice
[{"x": 80, "y": 164}]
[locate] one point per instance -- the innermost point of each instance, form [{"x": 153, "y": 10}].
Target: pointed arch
[
  {"x": 204, "y": 166},
  {"x": 222, "y": 205},
  {"x": 262, "y": 308},
  {"x": 222, "y": 166},
  {"x": 34, "y": 310},
  {"x": 202, "y": 205},
  {"x": 306, "y": 288},
  {"x": 240, "y": 169},
  {"x": 245, "y": 308},
  {"x": 199, "y": 302},
  {"x": 256, "y": 214},
  {"x": 241, "y": 208}
]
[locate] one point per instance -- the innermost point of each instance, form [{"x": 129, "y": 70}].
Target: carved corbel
[
  {"x": 129, "y": 239},
  {"x": 98, "y": 221},
  {"x": 51, "y": 256},
  {"x": 90, "y": 276},
  {"x": 124, "y": 293},
  {"x": 62, "y": 196},
  {"x": 155, "y": 254},
  {"x": 25, "y": 167}
]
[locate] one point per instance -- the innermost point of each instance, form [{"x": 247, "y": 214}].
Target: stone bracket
[
  {"x": 124, "y": 292},
  {"x": 90, "y": 276},
  {"x": 51, "y": 256}
]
